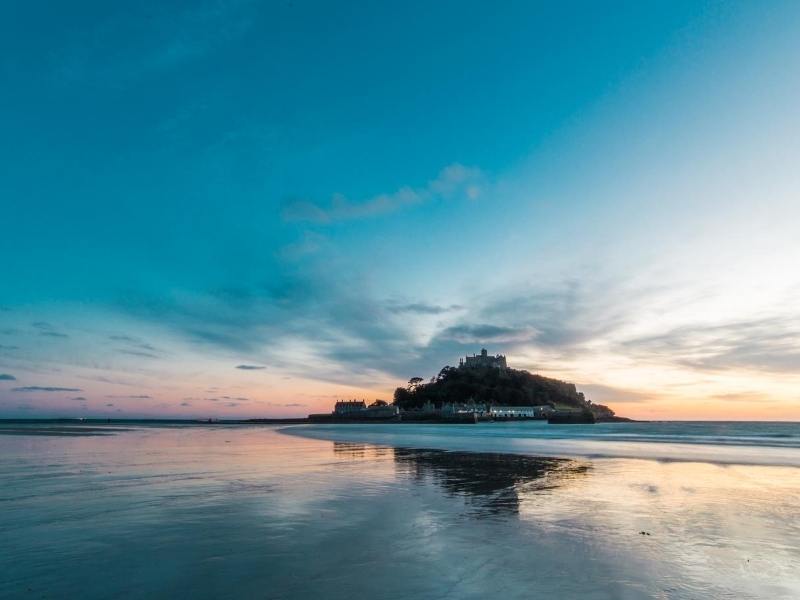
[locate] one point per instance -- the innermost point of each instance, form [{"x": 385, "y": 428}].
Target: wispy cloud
[
  {"x": 48, "y": 330},
  {"x": 250, "y": 367},
  {"x": 742, "y": 397},
  {"x": 132, "y": 341},
  {"x": 7, "y": 377},
  {"x": 38, "y": 388},
  {"x": 422, "y": 308},
  {"x": 162, "y": 37},
  {"x": 141, "y": 353},
  {"x": 453, "y": 181},
  {"x": 608, "y": 394},
  {"x": 356, "y": 338},
  {"x": 761, "y": 345}
]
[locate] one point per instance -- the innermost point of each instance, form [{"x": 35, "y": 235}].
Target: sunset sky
[{"x": 244, "y": 209}]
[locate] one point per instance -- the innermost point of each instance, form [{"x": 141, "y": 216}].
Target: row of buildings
[{"x": 358, "y": 410}]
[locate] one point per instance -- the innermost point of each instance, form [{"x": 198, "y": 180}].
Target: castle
[{"x": 483, "y": 360}]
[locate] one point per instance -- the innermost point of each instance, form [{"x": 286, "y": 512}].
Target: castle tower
[{"x": 483, "y": 360}]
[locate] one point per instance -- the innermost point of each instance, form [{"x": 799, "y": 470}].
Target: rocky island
[{"x": 481, "y": 388}]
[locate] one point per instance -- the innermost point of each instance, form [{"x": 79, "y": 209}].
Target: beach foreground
[{"x": 241, "y": 512}]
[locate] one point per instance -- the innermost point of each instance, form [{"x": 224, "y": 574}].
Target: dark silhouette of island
[{"x": 485, "y": 380}]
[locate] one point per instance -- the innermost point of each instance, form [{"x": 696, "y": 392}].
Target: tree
[{"x": 413, "y": 384}]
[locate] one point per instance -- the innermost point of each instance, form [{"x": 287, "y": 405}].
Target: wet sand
[{"x": 248, "y": 512}]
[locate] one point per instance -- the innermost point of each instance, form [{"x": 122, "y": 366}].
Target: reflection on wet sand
[
  {"x": 59, "y": 430},
  {"x": 355, "y": 450},
  {"x": 491, "y": 483}
]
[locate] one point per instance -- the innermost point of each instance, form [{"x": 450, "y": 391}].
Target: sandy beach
[{"x": 250, "y": 512}]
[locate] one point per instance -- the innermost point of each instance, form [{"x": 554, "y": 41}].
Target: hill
[{"x": 490, "y": 385}]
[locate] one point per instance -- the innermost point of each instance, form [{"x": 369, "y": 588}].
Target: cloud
[
  {"x": 356, "y": 338},
  {"x": 453, "y": 181},
  {"x": 141, "y": 397},
  {"x": 771, "y": 345},
  {"x": 122, "y": 338},
  {"x": 483, "y": 333},
  {"x": 185, "y": 404},
  {"x": 310, "y": 243},
  {"x": 250, "y": 367},
  {"x": 134, "y": 342},
  {"x": 159, "y": 38},
  {"x": 37, "y": 388},
  {"x": 331, "y": 313},
  {"x": 138, "y": 353},
  {"x": 79, "y": 399},
  {"x": 353, "y": 337},
  {"x": 48, "y": 330},
  {"x": 111, "y": 380},
  {"x": 742, "y": 397},
  {"x": 110, "y": 404},
  {"x": 603, "y": 394},
  {"x": 7, "y": 377},
  {"x": 422, "y": 308}
]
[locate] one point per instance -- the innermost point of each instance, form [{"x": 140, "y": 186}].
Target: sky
[{"x": 241, "y": 209}]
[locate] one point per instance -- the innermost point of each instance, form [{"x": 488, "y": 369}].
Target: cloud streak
[
  {"x": 771, "y": 345},
  {"x": 38, "y": 388},
  {"x": 423, "y": 308},
  {"x": 452, "y": 182}
]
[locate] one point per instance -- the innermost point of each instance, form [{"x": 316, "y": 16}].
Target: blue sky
[{"x": 350, "y": 196}]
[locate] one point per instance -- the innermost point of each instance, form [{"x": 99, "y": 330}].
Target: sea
[{"x": 494, "y": 510}]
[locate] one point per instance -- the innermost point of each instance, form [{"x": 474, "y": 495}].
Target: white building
[{"x": 519, "y": 412}]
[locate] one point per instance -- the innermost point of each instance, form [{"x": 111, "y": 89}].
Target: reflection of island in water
[{"x": 491, "y": 483}]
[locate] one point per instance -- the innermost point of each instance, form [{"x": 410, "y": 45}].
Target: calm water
[{"x": 251, "y": 512}]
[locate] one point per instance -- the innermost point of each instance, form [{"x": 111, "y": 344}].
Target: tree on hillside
[
  {"x": 509, "y": 387},
  {"x": 414, "y": 383}
]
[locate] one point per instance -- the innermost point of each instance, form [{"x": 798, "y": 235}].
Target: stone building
[
  {"x": 345, "y": 407},
  {"x": 483, "y": 360}
]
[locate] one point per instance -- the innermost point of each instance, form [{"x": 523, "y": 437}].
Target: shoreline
[{"x": 557, "y": 447}]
